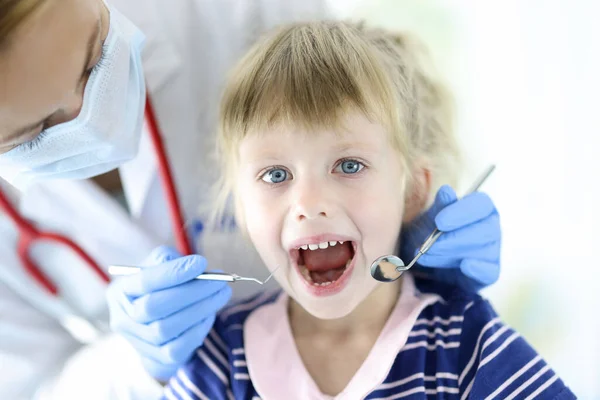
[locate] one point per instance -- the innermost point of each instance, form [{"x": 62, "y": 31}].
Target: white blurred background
[{"x": 526, "y": 75}]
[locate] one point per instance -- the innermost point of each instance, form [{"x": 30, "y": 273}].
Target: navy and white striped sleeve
[
  {"x": 495, "y": 362},
  {"x": 205, "y": 376}
]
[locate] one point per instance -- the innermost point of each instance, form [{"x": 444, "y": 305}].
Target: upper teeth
[{"x": 322, "y": 245}]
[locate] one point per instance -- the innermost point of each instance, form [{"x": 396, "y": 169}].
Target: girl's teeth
[
  {"x": 322, "y": 245},
  {"x": 306, "y": 274}
]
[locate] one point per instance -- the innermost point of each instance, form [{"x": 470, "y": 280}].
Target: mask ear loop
[{"x": 166, "y": 177}]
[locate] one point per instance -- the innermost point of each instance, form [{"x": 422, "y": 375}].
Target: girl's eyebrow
[
  {"x": 261, "y": 159},
  {"x": 340, "y": 147},
  {"x": 347, "y": 146}
]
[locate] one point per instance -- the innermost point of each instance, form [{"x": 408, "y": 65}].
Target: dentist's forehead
[{"x": 43, "y": 62}]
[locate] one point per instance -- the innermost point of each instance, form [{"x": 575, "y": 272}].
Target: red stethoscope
[{"x": 30, "y": 235}]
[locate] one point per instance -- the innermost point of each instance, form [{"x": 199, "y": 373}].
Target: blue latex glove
[
  {"x": 468, "y": 252},
  {"x": 163, "y": 312}
]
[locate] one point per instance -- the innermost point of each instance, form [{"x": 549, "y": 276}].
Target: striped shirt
[{"x": 453, "y": 346}]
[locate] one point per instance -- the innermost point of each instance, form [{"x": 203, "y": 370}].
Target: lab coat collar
[{"x": 138, "y": 175}]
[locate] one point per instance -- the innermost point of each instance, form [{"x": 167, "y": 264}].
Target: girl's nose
[
  {"x": 312, "y": 201},
  {"x": 307, "y": 214}
]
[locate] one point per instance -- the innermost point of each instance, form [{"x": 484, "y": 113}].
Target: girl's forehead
[{"x": 353, "y": 129}]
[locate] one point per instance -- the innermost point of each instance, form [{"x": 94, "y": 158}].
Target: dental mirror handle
[
  {"x": 121, "y": 270},
  {"x": 431, "y": 239}
]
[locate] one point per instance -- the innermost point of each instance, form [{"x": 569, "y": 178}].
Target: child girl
[{"x": 332, "y": 136}]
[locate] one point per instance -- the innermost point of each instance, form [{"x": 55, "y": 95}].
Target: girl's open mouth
[{"x": 325, "y": 267}]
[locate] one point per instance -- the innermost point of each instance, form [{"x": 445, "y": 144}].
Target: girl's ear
[{"x": 417, "y": 194}]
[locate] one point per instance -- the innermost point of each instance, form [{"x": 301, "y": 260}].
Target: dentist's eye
[
  {"x": 35, "y": 142},
  {"x": 350, "y": 166},
  {"x": 275, "y": 175},
  {"x": 100, "y": 63}
]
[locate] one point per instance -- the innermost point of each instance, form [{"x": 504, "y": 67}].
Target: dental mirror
[{"x": 389, "y": 268}]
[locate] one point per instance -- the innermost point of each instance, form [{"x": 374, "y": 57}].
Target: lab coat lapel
[{"x": 161, "y": 63}]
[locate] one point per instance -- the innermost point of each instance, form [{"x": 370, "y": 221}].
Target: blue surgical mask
[{"x": 106, "y": 132}]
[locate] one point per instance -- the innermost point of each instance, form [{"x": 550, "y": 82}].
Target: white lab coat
[{"x": 191, "y": 44}]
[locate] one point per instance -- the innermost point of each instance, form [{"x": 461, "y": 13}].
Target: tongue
[
  {"x": 327, "y": 259},
  {"x": 327, "y": 265},
  {"x": 331, "y": 275}
]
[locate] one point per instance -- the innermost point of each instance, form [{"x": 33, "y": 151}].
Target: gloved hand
[
  {"x": 163, "y": 312},
  {"x": 468, "y": 252}
]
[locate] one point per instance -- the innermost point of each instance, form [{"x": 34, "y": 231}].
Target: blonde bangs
[{"x": 308, "y": 75}]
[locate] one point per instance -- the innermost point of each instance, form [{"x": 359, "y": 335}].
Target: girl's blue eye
[
  {"x": 351, "y": 166},
  {"x": 275, "y": 175}
]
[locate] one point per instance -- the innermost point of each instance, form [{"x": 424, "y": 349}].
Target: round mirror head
[{"x": 387, "y": 268}]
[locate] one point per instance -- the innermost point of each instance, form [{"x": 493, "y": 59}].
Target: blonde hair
[
  {"x": 315, "y": 73},
  {"x": 12, "y": 14}
]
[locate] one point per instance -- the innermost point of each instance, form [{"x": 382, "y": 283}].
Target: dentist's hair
[
  {"x": 313, "y": 74},
  {"x": 12, "y": 15}
]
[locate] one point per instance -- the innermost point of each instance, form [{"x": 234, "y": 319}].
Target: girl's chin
[{"x": 337, "y": 306}]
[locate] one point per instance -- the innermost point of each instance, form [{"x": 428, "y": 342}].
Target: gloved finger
[
  {"x": 471, "y": 236},
  {"x": 489, "y": 252},
  {"x": 466, "y": 211},
  {"x": 178, "y": 350},
  {"x": 118, "y": 302},
  {"x": 160, "y": 304},
  {"x": 486, "y": 273},
  {"x": 443, "y": 198},
  {"x": 158, "y": 370},
  {"x": 415, "y": 231},
  {"x": 160, "y": 255},
  {"x": 155, "y": 368},
  {"x": 117, "y": 316},
  {"x": 163, "y": 276},
  {"x": 164, "y": 330}
]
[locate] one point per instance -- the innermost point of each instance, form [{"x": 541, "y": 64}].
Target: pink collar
[{"x": 275, "y": 366}]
